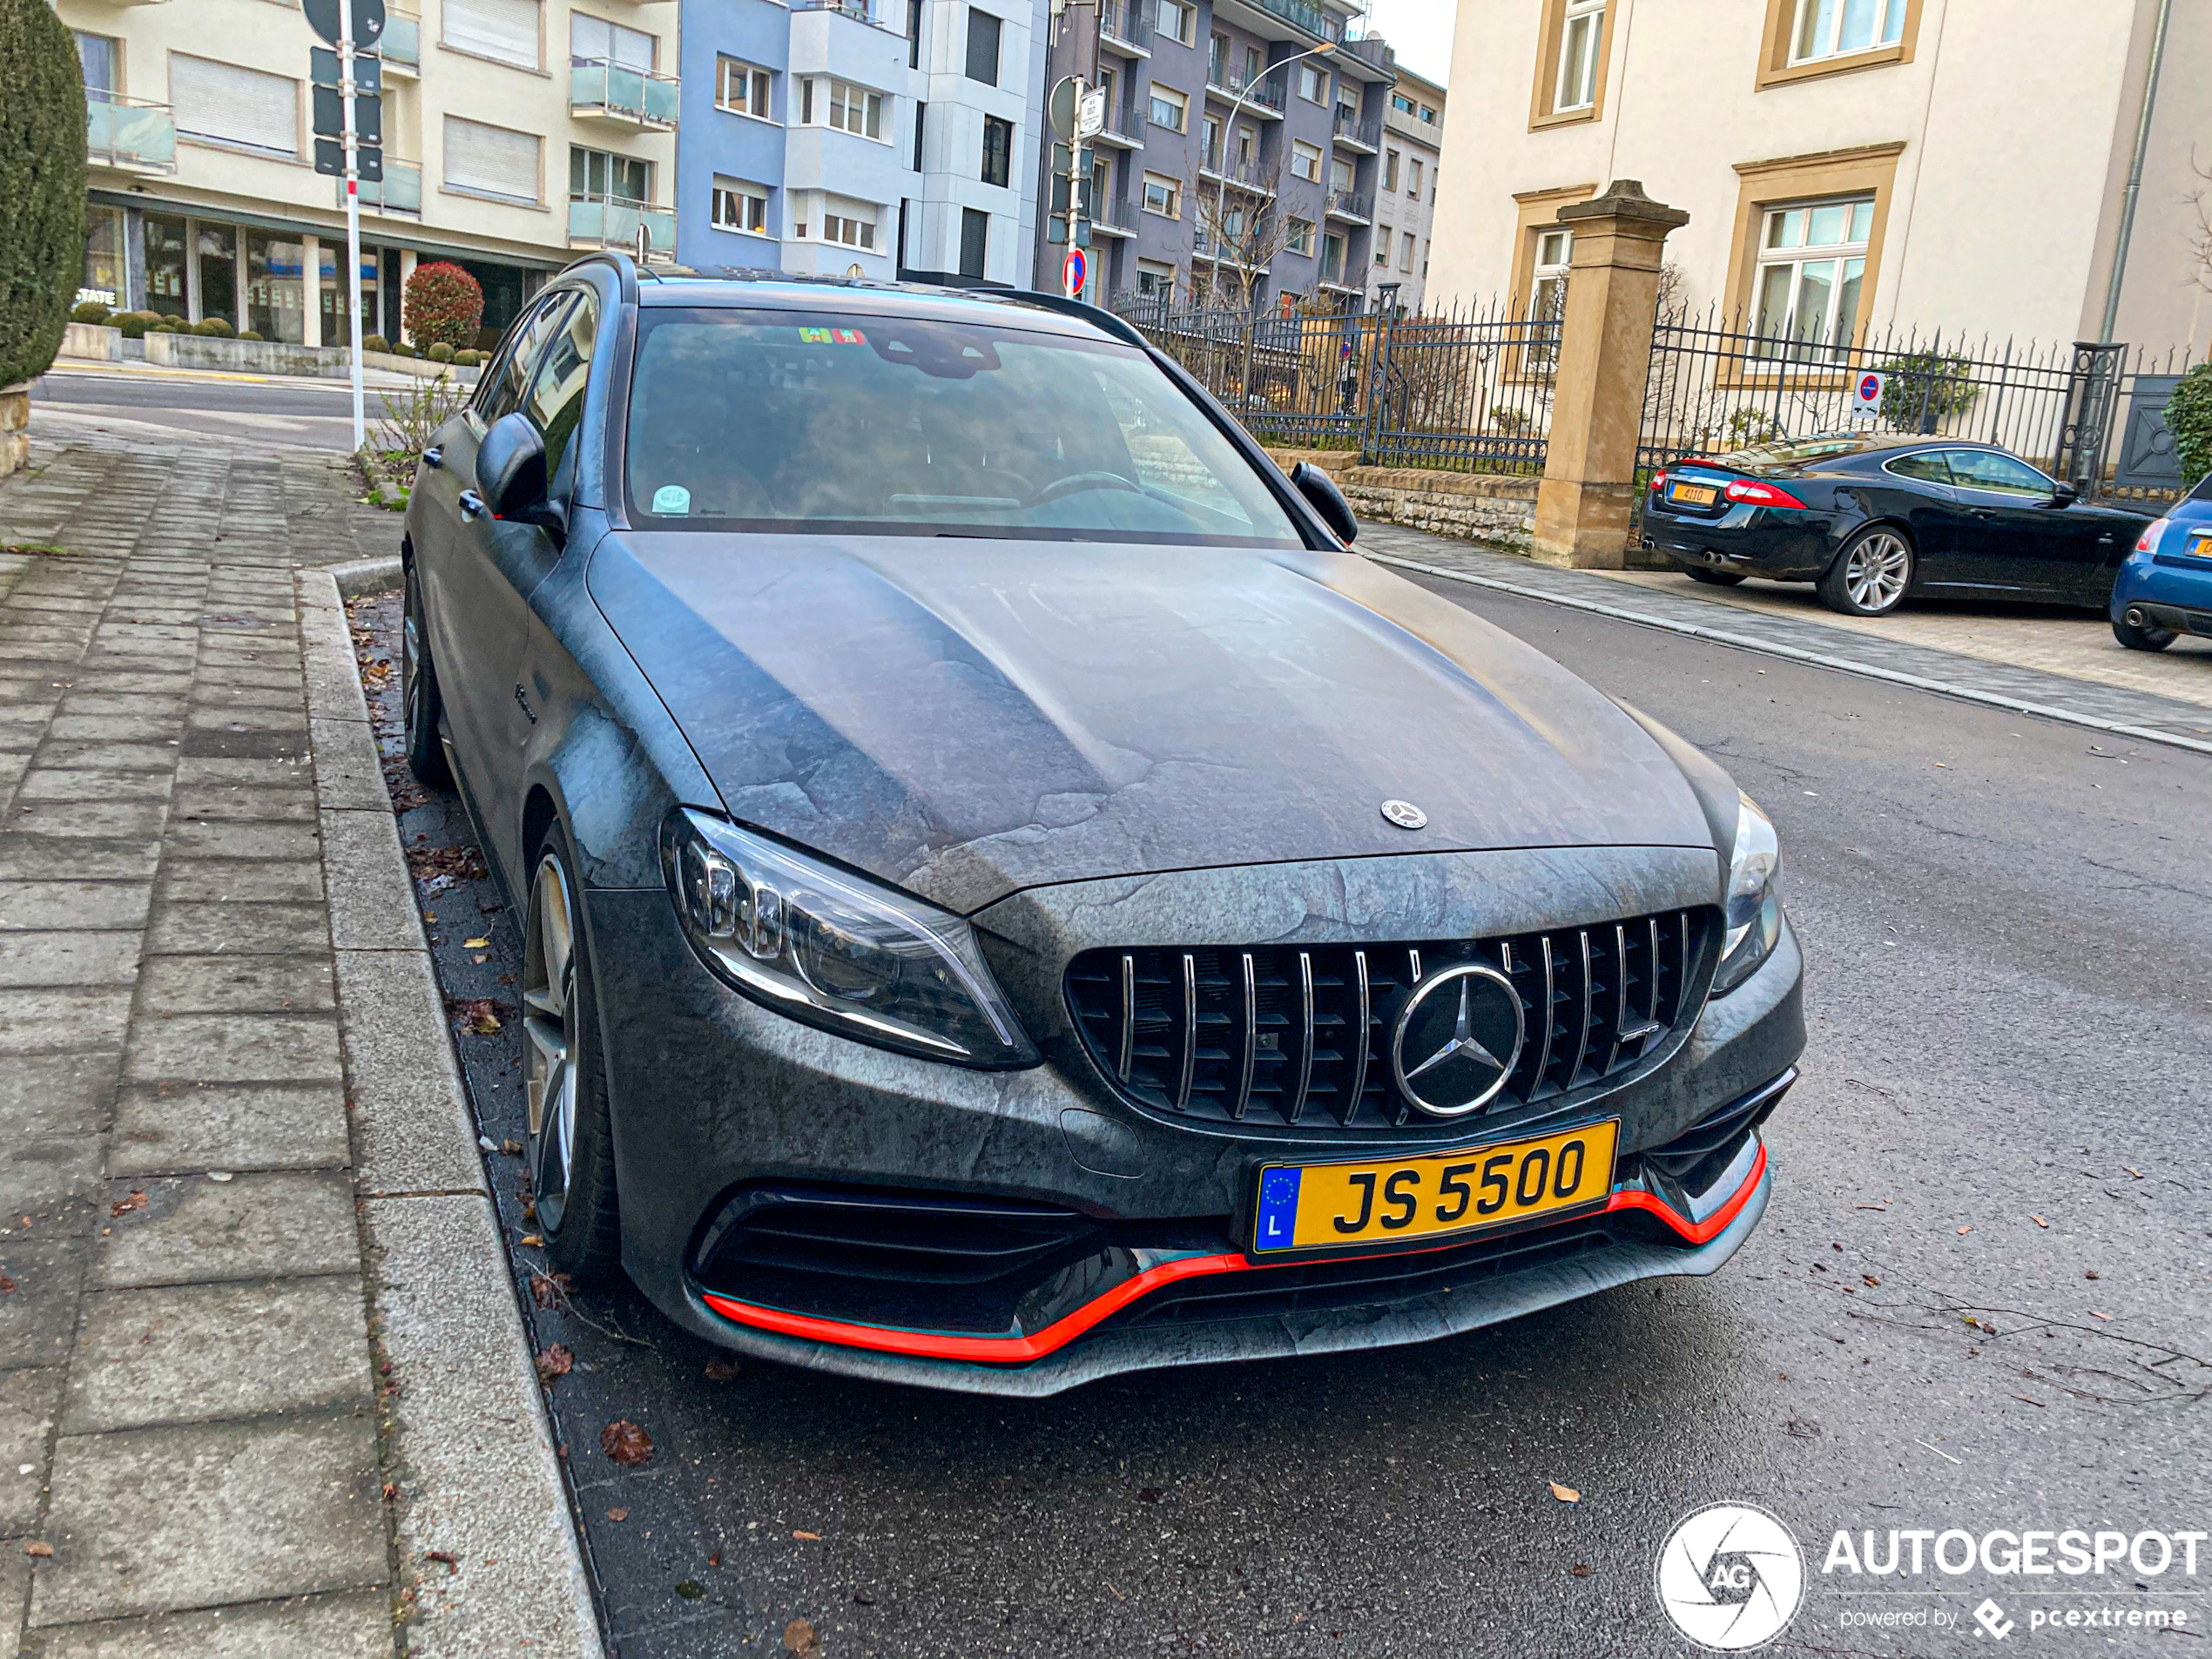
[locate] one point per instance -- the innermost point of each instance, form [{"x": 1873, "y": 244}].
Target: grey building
[
  {"x": 1215, "y": 104},
  {"x": 1405, "y": 188}
]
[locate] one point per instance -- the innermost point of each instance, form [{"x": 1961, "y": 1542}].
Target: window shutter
[
  {"x": 235, "y": 105},
  {"x": 490, "y": 160},
  {"x": 504, "y": 29}
]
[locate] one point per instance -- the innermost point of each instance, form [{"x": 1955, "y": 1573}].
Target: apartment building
[
  {"x": 1216, "y": 109},
  {"x": 516, "y": 133},
  {"x": 1405, "y": 189},
  {"x": 866, "y": 137},
  {"x": 1846, "y": 164}
]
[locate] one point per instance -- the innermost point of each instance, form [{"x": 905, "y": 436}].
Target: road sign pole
[{"x": 349, "y": 288}]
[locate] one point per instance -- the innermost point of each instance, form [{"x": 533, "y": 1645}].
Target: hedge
[
  {"x": 2189, "y": 417},
  {"x": 42, "y": 186},
  {"x": 443, "y": 306}
]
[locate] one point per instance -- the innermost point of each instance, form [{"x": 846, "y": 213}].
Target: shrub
[
  {"x": 443, "y": 306},
  {"x": 42, "y": 186},
  {"x": 440, "y": 352},
  {"x": 412, "y": 418},
  {"x": 468, "y": 358},
  {"x": 2189, "y": 417},
  {"x": 248, "y": 334},
  {"x": 91, "y": 311},
  {"x": 169, "y": 326},
  {"x": 1920, "y": 389},
  {"x": 403, "y": 349},
  {"x": 376, "y": 342},
  {"x": 215, "y": 327},
  {"x": 132, "y": 325}
]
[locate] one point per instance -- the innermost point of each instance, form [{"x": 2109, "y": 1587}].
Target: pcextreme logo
[{"x": 1730, "y": 1577}]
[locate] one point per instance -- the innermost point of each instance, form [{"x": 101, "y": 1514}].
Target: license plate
[
  {"x": 2200, "y": 548},
  {"x": 1696, "y": 495},
  {"x": 1320, "y": 1206}
]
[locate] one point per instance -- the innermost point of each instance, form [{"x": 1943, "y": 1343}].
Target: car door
[
  {"x": 2013, "y": 541},
  {"x": 1916, "y": 488}
]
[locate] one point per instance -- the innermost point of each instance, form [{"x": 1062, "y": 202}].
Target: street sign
[
  {"x": 368, "y": 69},
  {"x": 1074, "y": 271},
  {"x": 1090, "y": 114},
  {"x": 330, "y": 115},
  {"x": 1060, "y": 108},
  {"x": 368, "y": 20},
  {"x": 1866, "y": 393},
  {"x": 330, "y": 158}
]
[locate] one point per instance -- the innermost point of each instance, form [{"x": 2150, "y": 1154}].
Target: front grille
[{"x": 1300, "y": 1035}]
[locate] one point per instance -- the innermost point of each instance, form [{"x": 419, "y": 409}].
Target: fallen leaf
[
  {"x": 549, "y": 1290},
  {"x": 38, "y": 1549},
  {"x": 476, "y": 944},
  {"x": 690, "y": 1589},
  {"x": 391, "y": 1492},
  {"x": 811, "y": 1537},
  {"x": 715, "y": 1560},
  {"x": 1964, "y": 1230},
  {"x": 1565, "y": 1495},
  {"x": 1580, "y": 1569},
  {"x": 451, "y": 1561},
  {"x": 625, "y": 1443},
  {"x": 513, "y": 1148},
  {"x": 1871, "y": 1280},
  {"x": 475, "y": 1016},
  {"x": 532, "y": 1241},
  {"x": 2038, "y": 1221},
  {"x": 861, "y": 1598},
  {"x": 1802, "y": 1428},
  {"x": 124, "y": 1206},
  {"x": 720, "y": 1370},
  {"x": 2133, "y": 1171},
  {"x": 618, "y": 1515},
  {"x": 2032, "y": 1402},
  {"x": 2107, "y": 1317},
  {"x": 1151, "y": 1494},
  {"x": 7, "y": 1286},
  {"x": 2092, "y": 1273},
  {"x": 801, "y": 1639},
  {"x": 555, "y": 1361}
]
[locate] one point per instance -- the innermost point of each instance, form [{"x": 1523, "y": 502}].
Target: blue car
[{"x": 2164, "y": 590}]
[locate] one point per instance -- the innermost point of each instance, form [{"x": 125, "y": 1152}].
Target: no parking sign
[
  {"x": 1866, "y": 393},
  {"x": 1074, "y": 271}
]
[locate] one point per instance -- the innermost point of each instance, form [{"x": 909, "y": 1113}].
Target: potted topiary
[
  {"x": 440, "y": 352},
  {"x": 91, "y": 310},
  {"x": 215, "y": 327},
  {"x": 248, "y": 334},
  {"x": 376, "y": 342}
]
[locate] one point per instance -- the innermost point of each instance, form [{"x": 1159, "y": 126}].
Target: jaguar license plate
[
  {"x": 1693, "y": 494},
  {"x": 1384, "y": 1201}
]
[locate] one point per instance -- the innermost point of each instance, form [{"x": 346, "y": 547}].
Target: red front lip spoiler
[{"x": 1020, "y": 1350}]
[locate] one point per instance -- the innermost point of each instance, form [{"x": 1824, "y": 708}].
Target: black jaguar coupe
[{"x": 1010, "y": 898}]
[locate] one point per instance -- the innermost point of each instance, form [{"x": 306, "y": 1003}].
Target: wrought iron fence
[
  {"x": 1715, "y": 386},
  {"x": 1304, "y": 384}
]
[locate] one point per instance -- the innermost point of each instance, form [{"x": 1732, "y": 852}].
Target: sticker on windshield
[
  {"x": 671, "y": 498},
  {"x": 832, "y": 337}
]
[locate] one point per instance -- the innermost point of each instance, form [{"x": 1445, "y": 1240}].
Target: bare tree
[{"x": 1242, "y": 229}]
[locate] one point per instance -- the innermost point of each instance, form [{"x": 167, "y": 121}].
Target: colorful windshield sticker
[
  {"x": 671, "y": 498},
  {"x": 832, "y": 337}
]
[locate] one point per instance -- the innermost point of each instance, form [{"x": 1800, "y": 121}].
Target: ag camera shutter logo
[{"x": 1730, "y": 1577}]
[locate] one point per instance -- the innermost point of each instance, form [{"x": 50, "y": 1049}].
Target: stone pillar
[
  {"x": 15, "y": 416},
  {"x": 311, "y": 291},
  {"x": 1587, "y": 500},
  {"x": 406, "y": 270}
]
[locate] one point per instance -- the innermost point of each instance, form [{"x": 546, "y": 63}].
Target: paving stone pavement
[{"x": 188, "y": 1414}]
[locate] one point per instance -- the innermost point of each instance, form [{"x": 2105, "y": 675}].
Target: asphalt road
[
  {"x": 1973, "y": 1302},
  {"x": 294, "y": 414}
]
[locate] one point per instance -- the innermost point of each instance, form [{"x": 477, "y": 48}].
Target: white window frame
[
  {"x": 1334, "y": 240},
  {"x": 1185, "y": 32},
  {"x": 1777, "y": 253},
  {"x": 1159, "y": 96},
  {"x": 1817, "y": 28},
  {"x": 1547, "y": 288},
  {"x": 1581, "y": 32},
  {"x": 754, "y": 78},
  {"x": 1306, "y": 160},
  {"x": 1313, "y": 75},
  {"x": 823, "y": 95},
  {"x": 1379, "y": 250},
  {"x": 1170, "y": 191},
  {"x": 1414, "y": 176},
  {"x": 732, "y": 192},
  {"x": 1153, "y": 276}
]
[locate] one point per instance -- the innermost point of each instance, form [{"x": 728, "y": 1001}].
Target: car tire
[
  {"x": 1872, "y": 574},
  {"x": 570, "y": 1149},
  {"x": 1714, "y": 578},
  {"x": 2141, "y": 638},
  {"x": 420, "y": 704}
]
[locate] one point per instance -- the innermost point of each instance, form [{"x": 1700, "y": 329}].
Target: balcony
[
  {"x": 1376, "y": 54},
  {"x": 402, "y": 45},
  {"x": 1351, "y": 133},
  {"x": 603, "y": 90},
  {"x": 1116, "y": 216},
  {"x": 400, "y": 192},
  {"x": 614, "y": 221},
  {"x": 129, "y": 134},
  {"x": 1357, "y": 205},
  {"x": 1289, "y": 20},
  {"x": 1126, "y": 25},
  {"x": 1122, "y": 132},
  {"x": 861, "y": 11},
  {"x": 1262, "y": 97},
  {"x": 1247, "y": 177}
]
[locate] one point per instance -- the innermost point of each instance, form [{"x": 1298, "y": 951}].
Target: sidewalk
[{"x": 250, "y": 1377}]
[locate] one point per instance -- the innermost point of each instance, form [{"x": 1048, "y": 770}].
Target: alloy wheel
[
  {"x": 410, "y": 655},
  {"x": 1877, "y": 571},
  {"x": 549, "y": 1024}
]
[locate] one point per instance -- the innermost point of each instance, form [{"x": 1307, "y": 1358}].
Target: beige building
[
  {"x": 1846, "y": 164},
  {"x": 516, "y": 133}
]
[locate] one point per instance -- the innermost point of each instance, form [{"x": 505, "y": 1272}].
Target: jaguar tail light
[
  {"x": 1759, "y": 495},
  {"x": 1659, "y": 480}
]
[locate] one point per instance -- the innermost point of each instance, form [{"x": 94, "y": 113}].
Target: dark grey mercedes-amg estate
[{"x": 1010, "y": 898}]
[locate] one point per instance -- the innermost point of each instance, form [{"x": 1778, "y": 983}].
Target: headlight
[
  {"x": 1754, "y": 911},
  {"x": 836, "y": 950}
]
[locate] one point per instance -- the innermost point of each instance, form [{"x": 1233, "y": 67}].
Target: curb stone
[{"x": 468, "y": 1441}]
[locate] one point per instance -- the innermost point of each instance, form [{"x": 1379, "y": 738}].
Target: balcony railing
[
  {"x": 1125, "y": 126},
  {"x": 857, "y": 11},
  {"x": 601, "y": 90},
  {"x": 1261, "y": 94},
  {"x": 1353, "y": 204},
  {"x": 1247, "y": 176},
  {"x": 402, "y": 45},
  {"x": 1349, "y": 129},
  {"x": 1325, "y": 25},
  {"x": 614, "y": 221},
  {"x": 1117, "y": 213},
  {"x": 1128, "y": 22},
  {"x": 400, "y": 192},
  {"x": 1375, "y": 50},
  {"x": 129, "y": 134}
]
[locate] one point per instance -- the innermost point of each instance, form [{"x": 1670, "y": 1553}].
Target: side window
[
  {"x": 1927, "y": 466},
  {"x": 1985, "y": 470},
  {"x": 555, "y": 402},
  {"x": 501, "y": 391}
]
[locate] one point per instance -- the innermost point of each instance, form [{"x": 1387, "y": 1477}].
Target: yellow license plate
[
  {"x": 1318, "y": 1206},
  {"x": 1696, "y": 495}
]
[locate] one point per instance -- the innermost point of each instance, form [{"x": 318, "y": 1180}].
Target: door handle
[
  {"x": 472, "y": 504},
  {"x": 1983, "y": 512},
  {"x": 435, "y": 455}
]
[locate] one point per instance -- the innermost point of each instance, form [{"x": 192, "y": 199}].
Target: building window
[
  {"x": 848, "y": 223},
  {"x": 1581, "y": 30},
  {"x": 594, "y": 40},
  {"x": 1405, "y": 251},
  {"x": 1254, "y": 63},
  {"x": 1218, "y": 59},
  {"x": 1305, "y": 159},
  {"x": 103, "y": 263},
  {"x": 1833, "y": 28},
  {"x": 1547, "y": 293},
  {"x": 504, "y": 30},
  {"x": 485, "y": 160},
  {"x": 838, "y": 104},
  {"x": 1428, "y": 115},
  {"x": 1812, "y": 263},
  {"x": 1163, "y": 195},
  {"x": 982, "y": 47},
  {"x": 998, "y": 150},
  {"x": 1390, "y": 170},
  {"x": 739, "y": 207},
  {"x": 1169, "y": 108},
  {"x": 226, "y": 105},
  {"x": 1414, "y": 176},
  {"x": 913, "y": 34},
  {"x": 599, "y": 174},
  {"x": 741, "y": 89},
  {"x": 1339, "y": 173},
  {"x": 1178, "y": 22},
  {"x": 1332, "y": 258},
  {"x": 1210, "y": 146},
  {"x": 1382, "y": 244},
  {"x": 1300, "y": 236},
  {"x": 922, "y": 125},
  {"x": 1313, "y": 82},
  {"x": 1400, "y": 103},
  {"x": 974, "y": 242},
  {"x": 1152, "y": 277}
]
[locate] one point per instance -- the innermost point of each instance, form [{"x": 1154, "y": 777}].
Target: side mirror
[
  {"x": 2064, "y": 495},
  {"x": 1322, "y": 495},
  {"x": 510, "y": 471}
]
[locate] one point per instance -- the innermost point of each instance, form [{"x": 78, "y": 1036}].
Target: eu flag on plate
[{"x": 1277, "y": 1224}]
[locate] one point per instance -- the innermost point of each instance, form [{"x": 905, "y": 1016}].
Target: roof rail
[
  {"x": 625, "y": 269},
  {"x": 1097, "y": 316}
]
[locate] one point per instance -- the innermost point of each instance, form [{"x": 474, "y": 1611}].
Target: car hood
[{"x": 968, "y": 717}]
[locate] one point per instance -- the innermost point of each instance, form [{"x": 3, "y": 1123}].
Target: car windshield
[
  {"x": 1797, "y": 452},
  {"x": 788, "y": 421}
]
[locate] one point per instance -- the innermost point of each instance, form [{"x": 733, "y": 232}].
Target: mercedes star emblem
[
  {"x": 1457, "y": 1039},
  {"x": 1405, "y": 814}
]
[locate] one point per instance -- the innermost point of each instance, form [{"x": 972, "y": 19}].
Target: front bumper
[
  {"x": 1783, "y": 546},
  {"x": 714, "y": 1095}
]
